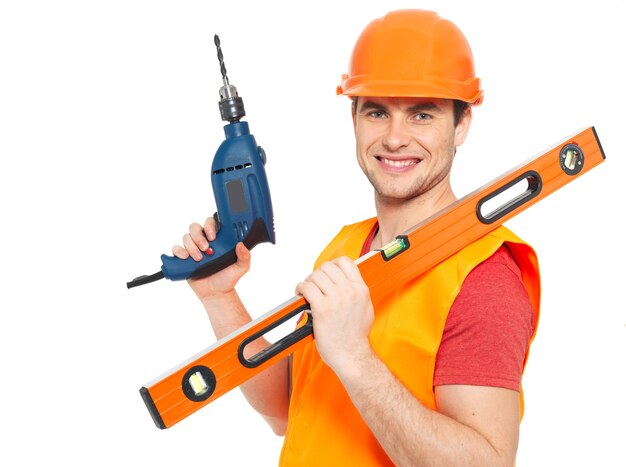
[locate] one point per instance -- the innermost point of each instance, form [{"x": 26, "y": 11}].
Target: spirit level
[{"x": 225, "y": 365}]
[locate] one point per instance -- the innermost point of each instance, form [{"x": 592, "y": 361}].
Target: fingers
[
  {"x": 192, "y": 247},
  {"x": 209, "y": 228},
  {"x": 309, "y": 291},
  {"x": 180, "y": 252},
  {"x": 339, "y": 274},
  {"x": 196, "y": 234},
  {"x": 349, "y": 269},
  {"x": 197, "y": 240},
  {"x": 327, "y": 278}
]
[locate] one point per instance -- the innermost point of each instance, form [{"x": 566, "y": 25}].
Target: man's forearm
[
  {"x": 267, "y": 392},
  {"x": 409, "y": 432}
]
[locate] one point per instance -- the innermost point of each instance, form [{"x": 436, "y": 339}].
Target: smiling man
[
  {"x": 429, "y": 374},
  {"x": 405, "y": 147}
]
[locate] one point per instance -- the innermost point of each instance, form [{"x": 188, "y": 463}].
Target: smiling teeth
[{"x": 404, "y": 163}]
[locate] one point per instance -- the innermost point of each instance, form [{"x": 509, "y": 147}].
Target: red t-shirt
[{"x": 489, "y": 326}]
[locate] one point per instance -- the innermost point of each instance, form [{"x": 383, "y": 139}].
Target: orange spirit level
[{"x": 225, "y": 365}]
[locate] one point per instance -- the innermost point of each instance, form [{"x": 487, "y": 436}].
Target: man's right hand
[{"x": 197, "y": 241}]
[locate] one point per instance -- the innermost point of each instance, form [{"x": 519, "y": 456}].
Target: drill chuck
[{"x": 231, "y": 105}]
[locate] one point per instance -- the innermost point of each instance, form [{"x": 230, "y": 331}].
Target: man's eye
[
  {"x": 377, "y": 114},
  {"x": 422, "y": 116}
]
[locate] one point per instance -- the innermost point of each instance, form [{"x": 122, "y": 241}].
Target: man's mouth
[{"x": 398, "y": 163}]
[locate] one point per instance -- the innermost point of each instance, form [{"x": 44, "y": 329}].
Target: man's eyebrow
[
  {"x": 372, "y": 105},
  {"x": 425, "y": 106},
  {"x": 420, "y": 107}
]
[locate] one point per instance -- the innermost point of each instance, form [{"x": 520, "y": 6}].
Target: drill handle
[{"x": 222, "y": 254}]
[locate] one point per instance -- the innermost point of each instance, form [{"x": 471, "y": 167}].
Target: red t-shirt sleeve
[{"x": 488, "y": 329}]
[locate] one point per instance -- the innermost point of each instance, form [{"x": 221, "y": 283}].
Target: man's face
[{"x": 405, "y": 145}]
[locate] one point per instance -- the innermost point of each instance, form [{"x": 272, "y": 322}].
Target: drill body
[{"x": 244, "y": 207}]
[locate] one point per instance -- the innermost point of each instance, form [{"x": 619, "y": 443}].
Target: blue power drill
[{"x": 244, "y": 207}]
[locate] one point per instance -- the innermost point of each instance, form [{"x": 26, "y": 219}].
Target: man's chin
[{"x": 395, "y": 196}]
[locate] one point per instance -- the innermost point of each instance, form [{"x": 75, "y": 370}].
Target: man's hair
[{"x": 459, "y": 109}]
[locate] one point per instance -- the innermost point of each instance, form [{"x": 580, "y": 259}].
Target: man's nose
[{"x": 397, "y": 135}]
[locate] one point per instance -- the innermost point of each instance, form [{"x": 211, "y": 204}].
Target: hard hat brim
[{"x": 467, "y": 92}]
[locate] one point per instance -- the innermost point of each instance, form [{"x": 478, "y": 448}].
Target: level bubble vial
[
  {"x": 198, "y": 385},
  {"x": 571, "y": 158},
  {"x": 395, "y": 247}
]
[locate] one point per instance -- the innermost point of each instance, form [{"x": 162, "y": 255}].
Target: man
[{"x": 429, "y": 374}]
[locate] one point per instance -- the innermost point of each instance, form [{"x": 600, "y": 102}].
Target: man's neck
[{"x": 394, "y": 218}]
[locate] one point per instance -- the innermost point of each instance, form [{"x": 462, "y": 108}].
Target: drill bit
[
  {"x": 220, "y": 57},
  {"x": 231, "y": 105}
]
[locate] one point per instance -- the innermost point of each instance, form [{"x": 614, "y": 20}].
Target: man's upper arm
[
  {"x": 488, "y": 329},
  {"x": 491, "y": 411}
]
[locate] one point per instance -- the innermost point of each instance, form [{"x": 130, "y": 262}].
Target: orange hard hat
[{"x": 412, "y": 53}]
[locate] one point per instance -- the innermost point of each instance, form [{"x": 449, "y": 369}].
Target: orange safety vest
[{"x": 324, "y": 427}]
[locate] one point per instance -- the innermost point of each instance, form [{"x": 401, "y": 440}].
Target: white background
[{"x": 108, "y": 125}]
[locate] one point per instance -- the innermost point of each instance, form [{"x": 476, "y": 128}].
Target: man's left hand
[{"x": 342, "y": 313}]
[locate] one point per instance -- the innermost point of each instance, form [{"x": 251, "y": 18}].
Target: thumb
[{"x": 243, "y": 258}]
